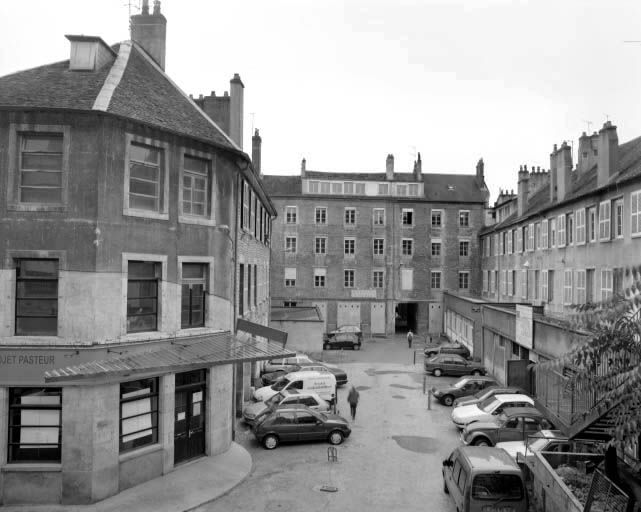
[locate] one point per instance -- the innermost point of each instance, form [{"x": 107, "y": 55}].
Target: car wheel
[
  {"x": 481, "y": 442},
  {"x": 437, "y": 372},
  {"x": 270, "y": 441},
  {"x": 476, "y": 372},
  {"x": 448, "y": 400},
  {"x": 336, "y": 437},
  {"x": 445, "y": 489}
]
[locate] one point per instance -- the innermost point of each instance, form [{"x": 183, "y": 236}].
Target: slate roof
[
  {"x": 144, "y": 94},
  {"x": 461, "y": 188}
]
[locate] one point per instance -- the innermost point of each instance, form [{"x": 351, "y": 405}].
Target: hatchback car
[
  {"x": 487, "y": 393},
  {"x": 286, "y": 364},
  {"x": 254, "y": 412},
  {"x": 299, "y": 424},
  {"x": 354, "y": 329},
  {"x": 343, "y": 340},
  {"x": 463, "y": 387},
  {"x": 485, "y": 410},
  {"x": 514, "y": 424},
  {"x": 451, "y": 364},
  {"x": 448, "y": 348}
]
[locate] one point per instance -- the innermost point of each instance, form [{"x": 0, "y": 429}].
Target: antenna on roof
[
  {"x": 132, "y": 3},
  {"x": 589, "y": 124}
]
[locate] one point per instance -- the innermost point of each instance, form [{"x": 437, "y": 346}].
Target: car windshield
[
  {"x": 489, "y": 404},
  {"x": 461, "y": 383},
  {"x": 280, "y": 384},
  {"x": 276, "y": 399},
  {"x": 497, "y": 487},
  {"x": 483, "y": 393}
]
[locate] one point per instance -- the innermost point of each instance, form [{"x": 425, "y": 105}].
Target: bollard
[
  {"x": 424, "y": 383},
  {"x": 429, "y": 401}
]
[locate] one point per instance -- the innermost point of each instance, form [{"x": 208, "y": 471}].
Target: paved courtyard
[{"x": 392, "y": 460}]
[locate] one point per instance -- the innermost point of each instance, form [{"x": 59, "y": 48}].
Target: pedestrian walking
[
  {"x": 410, "y": 337},
  {"x": 352, "y": 398}
]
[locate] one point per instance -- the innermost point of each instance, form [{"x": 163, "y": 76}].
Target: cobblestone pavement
[{"x": 391, "y": 462}]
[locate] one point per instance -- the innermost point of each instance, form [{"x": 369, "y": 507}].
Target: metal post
[
  {"x": 424, "y": 383},
  {"x": 429, "y": 401}
]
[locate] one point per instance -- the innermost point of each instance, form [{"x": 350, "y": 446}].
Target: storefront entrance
[{"x": 189, "y": 416}]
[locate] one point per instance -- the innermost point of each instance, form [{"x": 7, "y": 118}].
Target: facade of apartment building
[
  {"x": 376, "y": 249},
  {"x": 123, "y": 231}
]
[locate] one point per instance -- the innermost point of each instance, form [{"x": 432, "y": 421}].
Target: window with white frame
[
  {"x": 193, "y": 295},
  {"x": 524, "y": 284},
  {"x": 290, "y": 244},
  {"x": 349, "y": 245},
  {"x": 138, "y": 413},
  {"x": 383, "y": 189},
  {"x": 511, "y": 278},
  {"x": 143, "y": 280},
  {"x": 569, "y": 231},
  {"x": 510, "y": 242},
  {"x": 290, "y": 277},
  {"x": 313, "y": 187},
  {"x": 337, "y": 188},
  {"x": 320, "y": 245},
  {"x": 320, "y": 274},
  {"x": 579, "y": 220},
  {"x": 350, "y": 216},
  {"x": 378, "y": 278},
  {"x": 348, "y": 187},
  {"x": 196, "y": 197},
  {"x": 378, "y": 216},
  {"x": 36, "y": 305},
  {"x": 407, "y": 247},
  {"x": 605, "y": 211},
  {"x": 485, "y": 281},
  {"x": 618, "y": 218},
  {"x": 635, "y": 213},
  {"x": 413, "y": 189},
  {"x": 606, "y": 284},
  {"x": 495, "y": 239},
  {"x": 464, "y": 248},
  {"x": 502, "y": 243},
  {"x": 553, "y": 232},
  {"x": 544, "y": 285},
  {"x": 435, "y": 279},
  {"x": 579, "y": 297},
  {"x": 492, "y": 280},
  {"x": 348, "y": 278},
  {"x": 437, "y": 218},
  {"x": 464, "y": 218},
  {"x": 544, "y": 234},
  {"x": 325, "y": 187},
  {"x": 379, "y": 246},
  {"x": 320, "y": 215},
  {"x": 591, "y": 227},
  {"x": 519, "y": 240},
  {"x": 290, "y": 214},
  {"x": 401, "y": 190},
  {"x": 505, "y": 282},
  {"x": 530, "y": 237},
  {"x": 407, "y": 278},
  {"x": 436, "y": 247},
  {"x": 359, "y": 189},
  {"x": 497, "y": 283},
  {"x": 537, "y": 236},
  {"x": 146, "y": 178},
  {"x": 464, "y": 280},
  {"x": 537, "y": 284},
  {"x": 560, "y": 231},
  {"x": 407, "y": 217},
  {"x": 568, "y": 275}
]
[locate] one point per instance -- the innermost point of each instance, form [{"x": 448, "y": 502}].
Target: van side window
[{"x": 462, "y": 479}]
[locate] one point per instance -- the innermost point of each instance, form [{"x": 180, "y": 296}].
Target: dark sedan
[
  {"x": 343, "y": 340},
  {"x": 514, "y": 424},
  {"x": 487, "y": 393},
  {"x": 300, "y": 424},
  {"x": 465, "y": 386},
  {"x": 451, "y": 364},
  {"x": 448, "y": 348},
  {"x": 354, "y": 329},
  {"x": 341, "y": 376}
]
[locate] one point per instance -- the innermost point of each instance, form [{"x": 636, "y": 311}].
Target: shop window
[
  {"x": 36, "y": 297},
  {"x": 35, "y": 424},
  {"x": 142, "y": 296},
  {"x": 194, "y": 293},
  {"x": 138, "y": 413}
]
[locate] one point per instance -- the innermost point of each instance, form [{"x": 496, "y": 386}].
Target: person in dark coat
[
  {"x": 410, "y": 337},
  {"x": 352, "y": 398}
]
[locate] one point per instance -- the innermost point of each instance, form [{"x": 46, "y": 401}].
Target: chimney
[
  {"x": 418, "y": 169},
  {"x": 521, "y": 200},
  {"x": 563, "y": 171},
  {"x": 389, "y": 167},
  {"x": 480, "y": 173},
  {"x": 587, "y": 157},
  {"x": 256, "y": 143},
  {"x": 150, "y": 31},
  {"x": 553, "y": 174},
  {"x": 608, "y": 157},
  {"x": 236, "y": 91},
  {"x": 303, "y": 168}
]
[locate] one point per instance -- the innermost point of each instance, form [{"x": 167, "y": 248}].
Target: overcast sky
[{"x": 344, "y": 83}]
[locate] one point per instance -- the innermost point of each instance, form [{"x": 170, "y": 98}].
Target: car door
[
  {"x": 512, "y": 430},
  {"x": 309, "y": 427},
  {"x": 284, "y": 425},
  {"x": 458, "y": 366},
  {"x": 531, "y": 426}
]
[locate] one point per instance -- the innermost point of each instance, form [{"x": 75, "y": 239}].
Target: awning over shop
[{"x": 183, "y": 354}]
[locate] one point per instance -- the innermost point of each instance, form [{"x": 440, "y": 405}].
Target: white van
[{"x": 322, "y": 383}]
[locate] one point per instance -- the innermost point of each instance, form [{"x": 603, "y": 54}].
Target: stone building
[
  {"x": 376, "y": 249},
  {"x": 134, "y": 232}
]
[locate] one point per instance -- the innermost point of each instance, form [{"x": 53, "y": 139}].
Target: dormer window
[{"x": 88, "y": 53}]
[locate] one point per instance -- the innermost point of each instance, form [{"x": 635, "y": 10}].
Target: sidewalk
[{"x": 183, "y": 489}]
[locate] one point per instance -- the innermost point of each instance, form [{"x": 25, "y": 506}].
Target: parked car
[
  {"x": 546, "y": 441},
  {"x": 448, "y": 348},
  {"x": 514, "y": 424},
  {"x": 300, "y": 423},
  {"x": 354, "y": 329},
  {"x": 341, "y": 376},
  {"x": 486, "y": 393},
  {"x": 463, "y": 387},
  {"x": 253, "y": 412},
  {"x": 286, "y": 364},
  {"x": 451, "y": 364},
  {"x": 485, "y": 410},
  {"x": 343, "y": 340},
  {"x": 323, "y": 383}
]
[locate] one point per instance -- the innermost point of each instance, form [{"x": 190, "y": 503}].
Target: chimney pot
[
  {"x": 156, "y": 7},
  {"x": 608, "y": 153},
  {"x": 150, "y": 32},
  {"x": 237, "y": 100},
  {"x": 303, "y": 167},
  {"x": 389, "y": 167},
  {"x": 145, "y": 7},
  {"x": 256, "y": 152}
]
